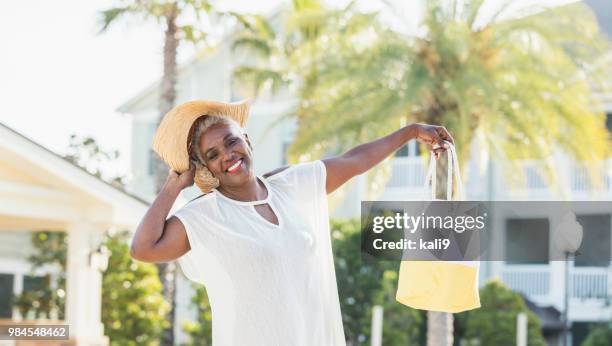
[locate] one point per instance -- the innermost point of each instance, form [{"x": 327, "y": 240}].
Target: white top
[{"x": 267, "y": 284}]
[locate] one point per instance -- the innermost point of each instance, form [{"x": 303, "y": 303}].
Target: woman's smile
[{"x": 237, "y": 167}]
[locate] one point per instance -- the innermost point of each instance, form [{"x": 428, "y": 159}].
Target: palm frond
[
  {"x": 255, "y": 44},
  {"x": 257, "y": 78},
  {"x": 110, "y": 16}
]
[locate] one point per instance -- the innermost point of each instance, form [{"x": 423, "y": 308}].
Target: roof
[
  {"x": 68, "y": 166},
  {"x": 549, "y": 315}
]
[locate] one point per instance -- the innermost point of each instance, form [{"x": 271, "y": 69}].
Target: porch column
[
  {"x": 84, "y": 287},
  {"x": 557, "y": 290}
]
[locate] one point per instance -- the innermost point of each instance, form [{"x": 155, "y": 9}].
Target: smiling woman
[{"x": 260, "y": 244}]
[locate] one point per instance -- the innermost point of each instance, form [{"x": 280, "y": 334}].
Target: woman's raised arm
[
  {"x": 157, "y": 239},
  {"x": 365, "y": 156}
]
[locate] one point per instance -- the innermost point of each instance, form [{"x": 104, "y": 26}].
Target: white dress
[{"x": 267, "y": 284}]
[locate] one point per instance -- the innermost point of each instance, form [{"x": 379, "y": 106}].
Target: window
[
  {"x": 33, "y": 283},
  {"x": 417, "y": 148},
  {"x": 152, "y": 156},
  {"x": 609, "y": 121},
  {"x": 412, "y": 148},
  {"x": 527, "y": 241},
  {"x": 152, "y": 161},
  {"x": 402, "y": 152},
  {"x": 6, "y": 295},
  {"x": 285, "y": 148},
  {"x": 38, "y": 286},
  {"x": 595, "y": 248}
]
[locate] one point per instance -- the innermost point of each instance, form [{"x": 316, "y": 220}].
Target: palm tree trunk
[
  {"x": 167, "y": 99},
  {"x": 440, "y": 324},
  {"x": 439, "y": 328}
]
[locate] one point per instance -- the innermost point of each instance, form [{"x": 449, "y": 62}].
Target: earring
[{"x": 204, "y": 179}]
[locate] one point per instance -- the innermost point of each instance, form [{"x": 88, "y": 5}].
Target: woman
[{"x": 260, "y": 244}]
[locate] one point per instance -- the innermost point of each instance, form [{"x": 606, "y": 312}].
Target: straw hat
[{"x": 171, "y": 141}]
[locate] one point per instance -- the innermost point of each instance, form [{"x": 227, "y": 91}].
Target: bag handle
[{"x": 453, "y": 165}]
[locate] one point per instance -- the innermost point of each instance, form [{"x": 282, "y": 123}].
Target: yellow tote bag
[{"x": 445, "y": 286}]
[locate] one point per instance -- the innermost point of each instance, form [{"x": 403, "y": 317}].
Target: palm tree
[
  {"x": 461, "y": 71},
  {"x": 283, "y": 44},
  {"x": 516, "y": 82},
  {"x": 286, "y": 48},
  {"x": 170, "y": 14},
  {"x": 506, "y": 81}
]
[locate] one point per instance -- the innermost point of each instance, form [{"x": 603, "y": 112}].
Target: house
[
  {"x": 542, "y": 283},
  {"x": 42, "y": 191}
]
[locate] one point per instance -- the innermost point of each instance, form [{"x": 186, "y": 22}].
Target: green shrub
[
  {"x": 600, "y": 335},
  {"x": 495, "y": 322},
  {"x": 200, "y": 330},
  {"x": 133, "y": 307}
]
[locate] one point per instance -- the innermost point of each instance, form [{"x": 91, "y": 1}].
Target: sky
[{"x": 59, "y": 77}]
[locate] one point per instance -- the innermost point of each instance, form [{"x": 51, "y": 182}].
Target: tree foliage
[
  {"x": 86, "y": 153},
  {"x": 522, "y": 84},
  {"x": 47, "y": 299},
  {"x": 194, "y": 27},
  {"x": 133, "y": 307},
  {"x": 495, "y": 322},
  {"x": 200, "y": 330},
  {"x": 600, "y": 335}
]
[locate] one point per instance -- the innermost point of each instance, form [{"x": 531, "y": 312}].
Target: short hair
[{"x": 202, "y": 124}]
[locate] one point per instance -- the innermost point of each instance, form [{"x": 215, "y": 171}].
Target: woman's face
[{"x": 227, "y": 155}]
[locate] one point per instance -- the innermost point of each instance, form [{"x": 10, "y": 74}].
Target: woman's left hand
[{"x": 432, "y": 135}]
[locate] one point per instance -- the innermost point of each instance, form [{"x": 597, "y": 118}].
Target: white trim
[
  {"x": 8, "y": 188},
  {"x": 126, "y": 210}
]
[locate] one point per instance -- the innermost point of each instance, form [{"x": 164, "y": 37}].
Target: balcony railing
[
  {"x": 535, "y": 280},
  {"x": 580, "y": 180},
  {"x": 573, "y": 176},
  {"x": 532, "y": 280},
  {"x": 590, "y": 283},
  {"x": 408, "y": 173}
]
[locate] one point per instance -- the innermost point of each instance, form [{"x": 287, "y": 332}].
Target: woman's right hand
[{"x": 180, "y": 181}]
